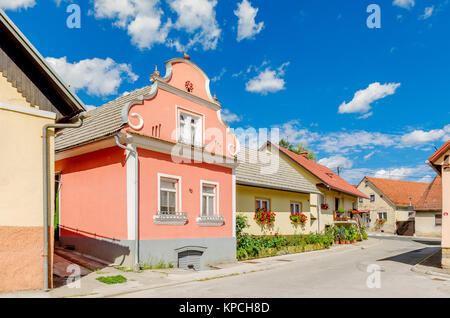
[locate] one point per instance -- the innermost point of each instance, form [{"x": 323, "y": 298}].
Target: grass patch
[
  {"x": 217, "y": 277},
  {"x": 119, "y": 279},
  {"x": 83, "y": 295}
]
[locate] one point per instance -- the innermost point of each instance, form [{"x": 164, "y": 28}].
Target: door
[{"x": 190, "y": 260}]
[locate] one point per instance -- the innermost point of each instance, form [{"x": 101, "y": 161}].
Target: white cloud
[
  {"x": 141, "y": 19},
  {"x": 428, "y": 13},
  {"x": 294, "y": 133},
  {"x": 197, "y": 17},
  {"x": 365, "y": 116},
  {"x": 403, "y": 173},
  {"x": 229, "y": 117},
  {"x": 362, "y": 100},
  {"x": 247, "y": 27},
  {"x": 16, "y": 4},
  {"x": 90, "y": 107},
  {"x": 407, "y": 4},
  {"x": 344, "y": 142},
  {"x": 267, "y": 81},
  {"x": 417, "y": 137},
  {"x": 218, "y": 77},
  {"x": 334, "y": 162},
  {"x": 366, "y": 157},
  {"x": 97, "y": 76}
]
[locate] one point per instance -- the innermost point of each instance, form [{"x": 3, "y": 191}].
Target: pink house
[{"x": 149, "y": 177}]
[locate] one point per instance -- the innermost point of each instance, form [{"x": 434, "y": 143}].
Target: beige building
[
  {"x": 428, "y": 209},
  {"x": 31, "y": 97},
  {"x": 270, "y": 181},
  {"x": 388, "y": 200},
  {"x": 277, "y": 179},
  {"x": 440, "y": 162}
]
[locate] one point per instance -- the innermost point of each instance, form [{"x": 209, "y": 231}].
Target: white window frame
[
  {"x": 178, "y": 205},
  {"x": 382, "y": 213},
  {"x": 199, "y": 127},
  {"x": 259, "y": 200},
  {"x": 296, "y": 204},
  {"x": 216, "y": 200}
]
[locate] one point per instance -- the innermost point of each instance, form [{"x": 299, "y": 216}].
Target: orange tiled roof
[
  {"x": 440, "y": 151},
  {"x": 431, "y": 199},
  {"x": 399, "y": 191},
  {"x": 327, "y": 176}
]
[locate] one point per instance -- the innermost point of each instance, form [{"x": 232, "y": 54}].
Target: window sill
[
  {"x": 179, "y": 218},
  {"x": 210, "y": 220}
]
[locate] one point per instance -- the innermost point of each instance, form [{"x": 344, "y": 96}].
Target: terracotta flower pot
[
  {"x": 342, "y": 242},
  {"x": 336, "y": 242},
  {"x": 347, "y": 242}
]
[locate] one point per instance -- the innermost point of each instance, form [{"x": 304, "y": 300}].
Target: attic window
[{"x": 189, "y": 86}]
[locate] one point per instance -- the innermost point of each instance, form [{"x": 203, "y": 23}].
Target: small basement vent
[{"x": 190, "y": 259}]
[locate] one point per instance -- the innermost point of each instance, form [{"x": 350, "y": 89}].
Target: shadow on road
[
  {"x": 436, "y": 243},
  {"x": 412, "y": 257}
]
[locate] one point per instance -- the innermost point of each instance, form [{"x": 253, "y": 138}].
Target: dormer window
[{"x": 190, "y": 129}]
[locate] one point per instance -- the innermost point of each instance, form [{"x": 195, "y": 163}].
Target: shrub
[{"x": 241, "y": 224}]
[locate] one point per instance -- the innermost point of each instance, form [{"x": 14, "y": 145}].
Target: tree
[{"x": 298, "y": 149}]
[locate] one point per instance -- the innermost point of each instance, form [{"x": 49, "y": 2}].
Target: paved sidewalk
[
  {"x": 432, "y": 266},
  {"x": 154, "y": 278},
  {"x": 388, "y": 235}
]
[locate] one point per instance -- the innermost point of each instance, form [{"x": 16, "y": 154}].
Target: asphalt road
[{"x": 336, "y": 273}]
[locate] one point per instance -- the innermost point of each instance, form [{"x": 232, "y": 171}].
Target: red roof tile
[
  {"x": 327, "y": 176},
  {"x": 440, "y": 151},
  {"x": 399, "y": 191},
  {"x": 431, "y": 199}
]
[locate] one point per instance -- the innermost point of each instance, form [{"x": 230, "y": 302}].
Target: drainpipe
[
  {"x": 136, "y": 200},
  {"x": 77, "y": 124}
]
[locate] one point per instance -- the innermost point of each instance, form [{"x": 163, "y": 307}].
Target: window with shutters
[
  {"x": 262, "y": 204},
  {"x": 438, "y": 219},
  {"x": 296, "y": 207},
  {"x": 209, "y": 205},
  {"x": 168, "y": 195},
  {"x": 208, "y": 200},
  {"x": 190, "y": 129}
]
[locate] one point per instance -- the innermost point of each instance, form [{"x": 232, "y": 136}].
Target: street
[{"x": 333, "y": 273}]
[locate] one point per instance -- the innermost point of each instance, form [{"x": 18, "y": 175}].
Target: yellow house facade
[
  {"x": 24, "y": 111},
  {"x": 273, "y": 179}
]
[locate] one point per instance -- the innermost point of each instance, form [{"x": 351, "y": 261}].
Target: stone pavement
[{"x": 89, "y": 286}]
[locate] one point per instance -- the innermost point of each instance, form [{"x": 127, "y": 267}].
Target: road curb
[{"x": 422, "y": 269}]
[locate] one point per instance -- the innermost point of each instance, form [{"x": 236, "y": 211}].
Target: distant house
[
  {"x": 388, "y": 200},
  {"x": 31, "y": 97},
  {"x": 271, "y": 181},
  {"x": 150, "y": 176},
  {"x": 337, "y": 197},
  {"x": 428, "y": 220},
  {"x": 440, "y": 162}
]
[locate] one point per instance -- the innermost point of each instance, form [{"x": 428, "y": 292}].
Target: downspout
[
  {"x": 77, "y": 124},
  {"x": 136, "y": 200}
]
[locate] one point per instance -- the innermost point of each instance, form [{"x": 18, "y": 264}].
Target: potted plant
[
  {"x": 324, "y": 206},
  {"x": 263, "y": 217},
  {"x": 298, "y": 218}
]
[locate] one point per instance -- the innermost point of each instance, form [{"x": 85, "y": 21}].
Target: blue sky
[{"x": 374, "y": 101}]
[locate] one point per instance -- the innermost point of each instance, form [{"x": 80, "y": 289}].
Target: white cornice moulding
[{"x": 28, "y": 111}]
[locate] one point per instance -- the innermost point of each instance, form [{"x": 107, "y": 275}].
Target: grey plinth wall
[{"x": 120, "y": 252}]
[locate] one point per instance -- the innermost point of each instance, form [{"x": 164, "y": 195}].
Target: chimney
[{"x": 304, "y": 154}]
